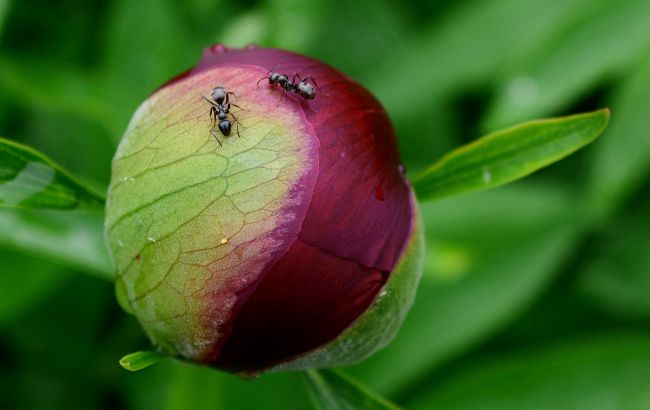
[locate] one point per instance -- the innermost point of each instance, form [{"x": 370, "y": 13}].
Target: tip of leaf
[
  {"x": 140, "y": 360},
  {"x": 606, "y": 112}
]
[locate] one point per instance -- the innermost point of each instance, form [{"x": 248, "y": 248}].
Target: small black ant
[
  {"x": 302, "y": 88},
  {"x": 219, "y": 110}
]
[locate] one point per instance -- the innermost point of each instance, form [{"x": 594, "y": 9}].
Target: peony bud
[{"x": 292, "y": 243}]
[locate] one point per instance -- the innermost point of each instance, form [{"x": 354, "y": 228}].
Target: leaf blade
[
  {"x": 334, "y": 390},
  {"x": 28, "y": 179},
  {"x": 509, "y": 154}
]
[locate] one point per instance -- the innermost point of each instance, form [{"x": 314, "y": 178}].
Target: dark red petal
[{"x": 306, "y": 300}]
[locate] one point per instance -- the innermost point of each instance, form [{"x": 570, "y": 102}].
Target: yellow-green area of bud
[{"x": 189, "y": 222}]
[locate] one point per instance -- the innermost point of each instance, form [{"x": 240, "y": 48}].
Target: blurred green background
[{"x": 536, "y": 295}]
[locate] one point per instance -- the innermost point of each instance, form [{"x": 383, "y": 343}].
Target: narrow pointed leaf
[
  {"x": 509, "y": 154},
  {"x": 140, "y": 360},
  {"x": 28, "y": 179},
  {"x": 333, "y": 390}
]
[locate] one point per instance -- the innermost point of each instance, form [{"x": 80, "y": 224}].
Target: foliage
[{"x": 534, "y": 295}]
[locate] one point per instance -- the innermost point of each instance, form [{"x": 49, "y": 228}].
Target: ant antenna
[{"x": 263, "y": 78}]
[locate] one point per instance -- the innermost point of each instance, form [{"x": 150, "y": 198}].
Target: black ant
[
  {"x": 219, "y": 110},
  {"x": 303, "y": 88}
]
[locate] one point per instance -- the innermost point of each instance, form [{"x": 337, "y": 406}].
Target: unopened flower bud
[{"x": 290, "y": 243}]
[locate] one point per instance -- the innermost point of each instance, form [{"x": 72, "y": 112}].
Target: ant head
[
  {"x": 274, "y": 77},
  {"x": 224, "y": 127},
  {"x": 218, "y": 94}
]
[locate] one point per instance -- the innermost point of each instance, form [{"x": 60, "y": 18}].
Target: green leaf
[
  {"x": 172, "y": 385},
  {"x": 141, "y": 360},
  {"x": 621, "y": 162},
  {"x": 583, "y": 56},
  {"x": 489, "y": 255},
  {"x": 508, "y": 155},
  {"x": 333, "y": 390},
  {"x": 5, "y": 5},
  {"x": 467, "y": 46},
  {"x": 617, "y": 273},
  {"x": 599, "y": 372},
  {"x": 59, "y": 88},
  {"x": 131, "y": 73},
  {"x": 28, "y": 179},
  {"x": 24, "y": 282},
  {"x": 72, "y": 239}
]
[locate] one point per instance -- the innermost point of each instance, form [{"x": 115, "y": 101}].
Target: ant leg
[
  {"x": 235, "y": 105},
  {"x": 213, "y": 117},
  {"x": 237, "y": 123},
  {"x": 213, "y": 132},
  {"x": 233, "y": 116}
]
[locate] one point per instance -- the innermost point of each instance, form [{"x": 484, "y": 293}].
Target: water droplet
[
  {"x": 401, "y": 169},
  {"x": 120, "y": 243},
  {"x": 379, "y": 192},
  {"x": 150, "y": 239},
  {"x": 219, "y": 48},
  {"x": 224, "y": 241},
  {"x": 487, "y": 176}
]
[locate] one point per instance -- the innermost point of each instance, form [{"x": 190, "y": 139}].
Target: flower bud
[{"x": 291, "y": 243}]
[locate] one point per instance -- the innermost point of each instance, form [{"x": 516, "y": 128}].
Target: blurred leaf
[
  {"x": 368, "y": 40},
  {"x": 507, "y": 246},
  {"x": 53, "y": 349},
  {"x": 621, "y": 161},
  {"x": 293, "y": 23},
  {"x": 469, "y": 44},
  {"x": 57, "y": 88},
  {"x": 606, "y": 43},
  {"x": 73, "y": 239},
  {"x": 141, "y": 360},
  {"x": 194, "y": 387},
  {"x": 24, "y": 281},
  {"x": 64, "y": 136},
  {"x": 178, "y": 386},
  {"x": 507, "y": 155},
  {"x": 606, "y": 372},
  {"x": 246, "y": 28},
  {"x": 617, "y": 272},
  {"x": 4, "y": 9},
  {"x": 28, "y": 179},
  {"x": 333, "y": 390},
  {"x": 147, "y": 43}
]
